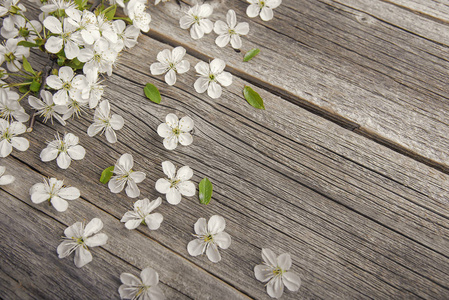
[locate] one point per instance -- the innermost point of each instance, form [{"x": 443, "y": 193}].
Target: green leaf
[
  {"x": 250, "y": 54},
  {"x": 35, "y": 86},
  {"x": 27, "y": 66},
  {"x": 206, "y": 189},
  {"x": 106, "y": 174},
  {"x": 152, "y": 93},
  {"x": 27, "y": 44},
  {"x": 109, "y": 12},
  {"x": 253, "y": 97},
  {"x": 24, "y": 88}
]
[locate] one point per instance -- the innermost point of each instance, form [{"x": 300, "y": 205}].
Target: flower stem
[
  {"x": 46, "y": 73},
  {"x": 23, "y": 96}
]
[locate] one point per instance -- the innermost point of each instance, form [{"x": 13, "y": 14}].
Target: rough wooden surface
[
  {"x": 359, "y": 219},
  {"x": 369, "y": 65}
]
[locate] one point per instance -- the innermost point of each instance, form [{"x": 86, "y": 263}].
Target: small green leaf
[
  {"x": 109, "y": 12},
  {"x": 152, "y": 93},
  {"x": 35, "y": 86},
  {"x": 24, "y": 88},
  {"x": 106, "y": 174},
  {"x": 27, "y": 44},
  {"x": 206, "y": 189},
  {"x": 250, "y": 54},
  {"x": 253, "y": 98},
  {"x": 27, "y": 66}
]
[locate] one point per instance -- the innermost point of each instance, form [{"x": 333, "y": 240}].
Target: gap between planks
[{"x": 307, "y": 105}]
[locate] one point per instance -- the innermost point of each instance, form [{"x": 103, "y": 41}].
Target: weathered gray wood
[
  {"x": 31, "y": 234},
  {"x": 348, "y": 60},
  {"x": 437, "y": 9},
  {"x": 358, "y": 218}
]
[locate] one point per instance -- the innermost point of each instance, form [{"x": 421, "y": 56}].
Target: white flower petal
[
  {"x": 170, "y": 77},
  {"x": 217, "y": 65},
  {"x": 132, "y": 190},
  {"x": 200, "y": 226},
  {"x": 76, "y": 152},
  {"x": 94, "y": 226},
  {"x": 221, "y": 28},
  {"x": 225, "y": 78},
  {"x": 173, "y": 196},
  {"x": 231, "y": 18},
  {"x": 196, "y": 31},
  {"x": 66, "y": 74},
  {"x": 63, "y": 160},
  {"x": 54, "y": 44},
  {"x": 116, "y": 122},
  {"x": 273, "y": 3},
  {"x": 202, "y": 68},
  {"x": 186, "y": 21},
  {"x": 162, "y": 185},
  {"x": 39, "y": 197},
  {"x": 126, "y": 161},
  {"x": 129, "y": 279},
  {"x": 178, "y": 53},
  {"x": 269, "y": 257},
  {"x": 54, "y": 82},
  {"x": 185, "y": 139},
  {"x": 253, "y": 10},
  {"x": 53, "y": 24},
  {"x": 158, "y": 68},
  {"x": 171, "y": 120},
  {"x": 291, "y": 281},
  {"x": 284, "y": 261},
  {"x": 275, "y": 287},
  {"x": 155, "y": 293},
  {"x": 137, "y": 176},
  {"x": 163, "y": 130},
  {"x": 97, "y": 240},
  {"x": 154, "y": 221},
  {"x": 184, "y": 173},
  {"x": 116, "y": 184},
  {"x": 223, "y": 240},
  {"x": 236, "y": 41},
  {"x": 263, "y": 273},
  {"x": 133, "y": 224},
  {"x": 111, "y": 137},
  {"x": 82, "y": 257},
  {"x": 69, "y": 193},
  {"x": 182, "y": 67},
  {"x": 187, "y": 188},
  {"x": 242, "y": 28},
  {"x": 216, "y": 224},
  {"x": 201, "y": 85},
  {"x": 266, "y": 14},
  {"x": 212, "y": 253},
  {"x": 222, "y": 40},
  {"x": 214, "y": 90},
  {"x": 149, "y": 277},
  {"x": 49, "y": 154},
  {"x": 5, "y": 148},
  {"x": 59, "y": 204},
  {"x": 6, "y": 179},
  {"x": 66, "y": 248},
  {"x": 20, "y": 143},
  {"x": 196, "y": 247},
  {"x": 169, "y": 169}
]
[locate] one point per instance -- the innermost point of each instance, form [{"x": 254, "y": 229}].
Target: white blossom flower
[
  {"x": 230, "y": 31},
  {"x": 106, "y": 29},
  {"x": 58, "y": 5},
  {"x": 5, "y": 179},
  {"x": 86, "y": 24},
  {"x": 100, "y": 56},
  {"x": 64, "y": 150},
  {"x": 9, "y": 137},
  {"x": 124, "y": 174},
  {"x": 64, "y": 37},
  {"x": 67, "y": 85},
  {"x": 127, "y": 35},
  {"x": 262, "y": 7},
  {"x": 79, "y": 238},
  {"x": 104, "y": 122},
  {"x": 177, "y": 184},
  {"x": 13, "y": 54},
  {"x": 211, "y": 76},
  {"x": 143, "y": 288},
  {"x": 208, "y": 236},
  {"x": 136, "y": 11},
  {"x": 172, "y": 63},
  {"x": 17, "y": 26},
  {"x": 75, "y": 107},
  {"x": 10, "y": 5},
  {"x": 47, "y": 108},
  {"x": 54, "y": 192},
  {"x": 174, "y": 131},
  {"x": 142, "y": 215},
  {"x": 275, "y": 271},
  {"x": 197, "y": 18},
  {"x": 10, "y": 108},
  {"x": 93, "y": 90}
]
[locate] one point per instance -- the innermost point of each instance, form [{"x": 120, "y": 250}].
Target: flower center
[
  {"x": 23, "y": 31},
  {"x": 197, "y": 19},
  {"x": 80, "y": 241},
  {"x": 176, "y": 131},
  {"x": 278, "y": 272},
  {"x": 262, "y": 4},
  {"x": 174, "y": 182},
  {"x": 10, "y": 57},
  {"x": 7, "y": 135},
  {"x": 208, "y": 238},
  {"x": 97, "y": 57},
  {"x": 66, "y": 86},
  {"x": 62, "y": 147},
  {"x": 231, "y": 31},
  {"x": 211, "y": 77}
]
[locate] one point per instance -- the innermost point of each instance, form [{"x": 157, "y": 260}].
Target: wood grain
[
  {"x": 358, "y": 218},
  {"x": 346, "y": 60}
]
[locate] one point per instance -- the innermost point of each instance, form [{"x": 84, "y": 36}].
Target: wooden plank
[
  {"x": 358, "y": 218},
  {"x": 31, "y": 235},
  {"x": 399, "y": 90}
]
